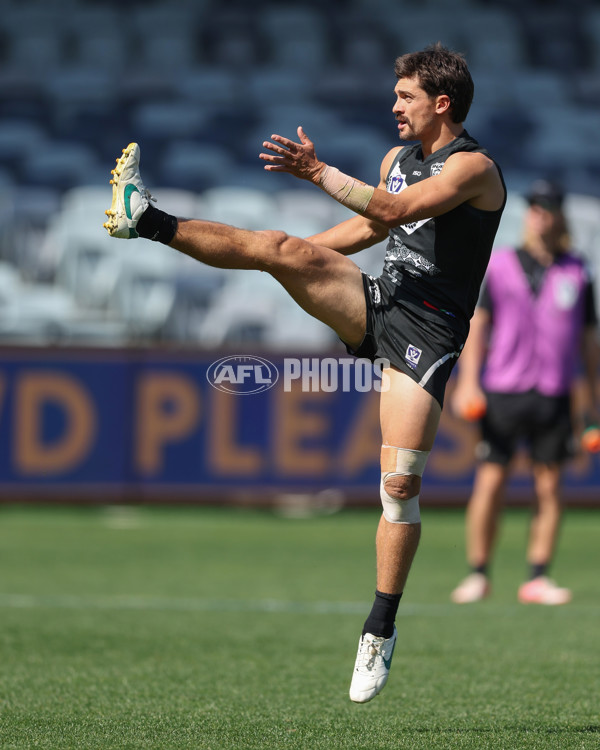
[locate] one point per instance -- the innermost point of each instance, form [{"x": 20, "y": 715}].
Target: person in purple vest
[{"x": 517, "y": 369}]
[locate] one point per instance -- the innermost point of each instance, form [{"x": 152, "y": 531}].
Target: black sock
[
  {"x": 157, "y": 225},
  {"x": 480, "y": 569},
  {"x": 537, "y": 570},
  {"x": 380, "y": 621}
]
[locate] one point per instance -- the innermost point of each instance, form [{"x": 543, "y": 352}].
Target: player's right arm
[
  {"x": 358, "y": 232},
  {"x": 466, "y": 177}
]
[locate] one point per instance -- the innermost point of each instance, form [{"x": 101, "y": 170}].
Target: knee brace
[{"x": 401, "y": 462}]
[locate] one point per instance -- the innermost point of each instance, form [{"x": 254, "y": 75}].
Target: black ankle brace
[
  {"x": 380, "y": 621},
  {"x": 157, "y": 225}
]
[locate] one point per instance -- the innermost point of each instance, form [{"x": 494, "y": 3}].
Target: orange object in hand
[
  {"x": 590, "y": 440},
  {"x": 474, "y": 410}
]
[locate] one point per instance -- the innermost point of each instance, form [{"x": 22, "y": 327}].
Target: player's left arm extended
[{"x": 466, "y": 178}]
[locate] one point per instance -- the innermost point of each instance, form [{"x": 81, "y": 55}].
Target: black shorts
[
  {"x": 423, "y": 347},
  {"x": 541, "y": 423}
]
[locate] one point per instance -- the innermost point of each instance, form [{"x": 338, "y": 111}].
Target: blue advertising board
[{"x": 114, "y": 425}]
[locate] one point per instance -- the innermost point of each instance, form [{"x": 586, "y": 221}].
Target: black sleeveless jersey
[{"x": 438, "y": 264}]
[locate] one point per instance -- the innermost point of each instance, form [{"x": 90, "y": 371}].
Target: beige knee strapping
[{"x": 401, "y": 462}]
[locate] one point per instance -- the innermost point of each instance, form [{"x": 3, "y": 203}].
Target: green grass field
[{"x": 223, "y": 629}]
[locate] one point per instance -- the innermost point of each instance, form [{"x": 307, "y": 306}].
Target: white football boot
[
  {"x": 129, "y": 196},
  {"x": 543, "y": 590},
  {"x": 474, "y": 588},
  {"x": 372, "y": 666}
]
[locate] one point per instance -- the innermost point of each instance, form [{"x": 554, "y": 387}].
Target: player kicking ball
[{"x": 439, "y": 203}]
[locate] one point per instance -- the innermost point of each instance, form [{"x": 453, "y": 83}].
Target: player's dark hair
[{"x": 440, "y": 71}]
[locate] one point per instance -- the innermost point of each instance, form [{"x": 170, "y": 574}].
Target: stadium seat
[
  {"x": 78, "y": 85},
  {"x": 142, "y": 85},
  {"x": 169, "y": 119},
  {"x": 307, "y": 202},
  {"x": 166, "y": 36},
  {"x": 195, "y": 166},
  {"x": 583, "y": 217},
  {"x": 544, "y": 85},
  {"x": 276, "y": 83},
  {"x": 241, "y": 206},
  {"x": 231, "y": 47},
  {"x": 493, "y": 87},
  {"x": 168, "y": 50},
  {"x": 307, "y": 46},
  {"x": 89, "y": 266},
  {"x": 84, "y": 203},
  {"x": 297, "y": 225},
  {"x": 18, "y": 138},
  {"x": 41, "y": 50},
  {"x": 365, "y": 49},
  {"x": 590, "y": 25},
  {"x": 564, "y": 134},
  {"x": 178, "y": 202},
  {"x": 421, "y": 26},
  {"x": 25, "y": 226},
  {"x": 145, "y": 290},
  {"x": 555, "y": 38},
  {"x": 36, "y": 314},
  {"x": 150, "y": 19},
  {"x": 196, "y": 286},
  {"x": 35, "y": 37},
  {"x": 62, "y": 165},
  {"x": 252, "y": 308},
  {"x": 9, "y": 282},
  {"x": 276, "y": 20},
  {"x": 86, "y": 19},
  {"x": 357, "y": 150},
  {"x": 506, "y": 43},
  {"x": 318, "y": 122},
  {"x": 208, "y": 85},
  {"x": 103, "y": 47}
]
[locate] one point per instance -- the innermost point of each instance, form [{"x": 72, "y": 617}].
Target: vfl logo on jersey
[
  {"x": 437, "y": 168},
  {"x": 396, "y": 183},
  {"x": 412, "y": 356}
]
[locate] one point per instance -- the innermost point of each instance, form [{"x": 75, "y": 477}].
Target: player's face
[
  {"x": 544, "y": 222},
  {"x": 414, "y": 110}
]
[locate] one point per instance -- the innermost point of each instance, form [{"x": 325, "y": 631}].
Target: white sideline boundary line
[{"x": 273, "y": 606}]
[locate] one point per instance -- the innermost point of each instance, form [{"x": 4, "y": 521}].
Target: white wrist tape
[{"x": 345, "y": 189}]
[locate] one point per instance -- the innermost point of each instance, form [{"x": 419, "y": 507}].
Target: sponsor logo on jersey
[
  {"x": 437, "y": 168},
  {"x": 565, "y": 293},
  {"x": 412, "y": 356}
]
